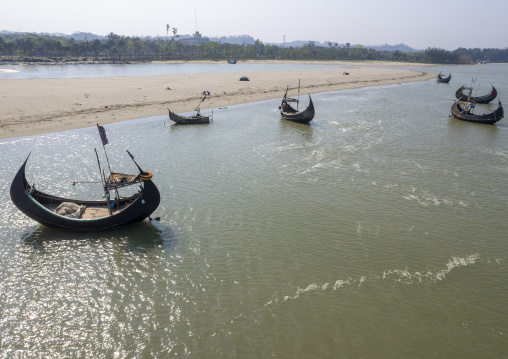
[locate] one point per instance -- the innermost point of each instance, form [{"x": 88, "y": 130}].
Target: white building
[{"x": 195, "y": 39}]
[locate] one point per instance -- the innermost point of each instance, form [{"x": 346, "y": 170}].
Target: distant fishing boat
[
  {"x": 289, "y": 113},
  {"x": 442, "y": 78},
  {"x": 196, "y": 117},
  {"x": 72, "y": 214},
  {"x": 232, "y": 62}
]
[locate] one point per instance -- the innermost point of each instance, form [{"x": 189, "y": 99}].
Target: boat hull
[
  {"x": 36, "y": 204},
  {"x": 192, "y": 120},
  {"x": 458, "y": 112},
  {"x": 442, "y": 79},
  {"x": 461, "y": 96},
  {"x": 289, "y": 113}
]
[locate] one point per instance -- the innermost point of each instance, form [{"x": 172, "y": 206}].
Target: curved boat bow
[
  {"x": 461, "y": 96},
  {"x": 289, "y": 113},
  {"x": 443, "y": 78}
]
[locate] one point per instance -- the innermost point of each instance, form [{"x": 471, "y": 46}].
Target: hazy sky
[{"x": 446, "y": 24}]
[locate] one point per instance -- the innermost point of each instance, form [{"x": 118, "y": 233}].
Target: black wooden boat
[
  {"x": 92, "y": 215},
  {"x": 232, "y": 62},
  {"x": 113, "y": 212},
  {"x": 461, "y": 96},
  {"x": 464, "y": 111},
  {"x": 442, "y": 78},
  {"x": 196, "y": 117},
  {"x": 289, "y": 113}
]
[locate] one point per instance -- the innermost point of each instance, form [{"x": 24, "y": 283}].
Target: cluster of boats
[
  {"x": 287, "y": 111},
  {"x": 466, "y": 104},
  {"x": 462, "y": 109},
  {"x": 116, "y": 211}
]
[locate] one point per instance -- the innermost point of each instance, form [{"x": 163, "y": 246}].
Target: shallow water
[
  {"x": 143, "y": 69},
  {"x": 378, "y": 231}
]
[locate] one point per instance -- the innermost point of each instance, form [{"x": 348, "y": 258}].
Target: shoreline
[
  {"x": 248, "y": 61},
  {"x": 37, "y": 106}
]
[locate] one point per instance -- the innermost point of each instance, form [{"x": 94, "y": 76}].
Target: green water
[{"x": 379, "y": 231}]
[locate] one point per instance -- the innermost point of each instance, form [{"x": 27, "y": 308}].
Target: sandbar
[{"x": 38, "y": 106}]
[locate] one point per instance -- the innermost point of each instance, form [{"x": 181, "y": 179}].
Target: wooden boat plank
[{"x": 90, "y": 212}]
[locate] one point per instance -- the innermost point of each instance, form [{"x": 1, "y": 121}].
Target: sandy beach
[{"x": 36, "y": 106}]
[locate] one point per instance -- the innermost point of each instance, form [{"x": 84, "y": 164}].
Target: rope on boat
[{"x": 74, "y": 183}]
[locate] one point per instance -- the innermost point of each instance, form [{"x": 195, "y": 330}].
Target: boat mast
[
  {"x": 203, "y": 97},
  {"x": 104, "y": 140},
  {"x": 198, "y": 108},
  {"x": 104, "y": 183},
  {"x": 297, "y": 102}
]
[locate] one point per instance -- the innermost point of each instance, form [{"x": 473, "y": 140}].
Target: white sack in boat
[{"x": 71, "y": 210}]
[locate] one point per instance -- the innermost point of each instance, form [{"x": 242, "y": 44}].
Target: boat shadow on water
[
  {"x": 303, "y": 130},
  {"x": 465, "y": 129},
  {"x": 142, "y": 235}
]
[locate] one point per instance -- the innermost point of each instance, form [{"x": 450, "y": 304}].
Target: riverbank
[{"x": 36, "y": 106}]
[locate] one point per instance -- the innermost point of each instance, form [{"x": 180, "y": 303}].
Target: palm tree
[{"x": 167, "y": 30}]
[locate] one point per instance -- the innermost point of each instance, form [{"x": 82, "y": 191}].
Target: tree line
[{"x": 117, "y": 48}]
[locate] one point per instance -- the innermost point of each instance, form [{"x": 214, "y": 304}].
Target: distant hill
[
  {"x": 79, "y": 36},
  {"x": 386, "y": 47},
  {"x": 237, "y": 40}
]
